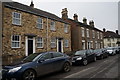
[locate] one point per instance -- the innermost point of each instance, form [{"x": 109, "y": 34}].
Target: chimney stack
[
  {"x": 84, "y": 20},
  {"x": 116, "y": 31},
  {"x": 104, "y": 30},
  {"x": 75, "y": 17},
  {"x": 91, "y": 23},
  {"x": 64, "y": 13},
  {"x": 32, "y": 5}
]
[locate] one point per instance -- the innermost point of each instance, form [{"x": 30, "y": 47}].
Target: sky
[{"x": 104, "y": 13}]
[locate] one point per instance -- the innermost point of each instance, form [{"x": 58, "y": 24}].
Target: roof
[
  {"x": 35, "y": 11},
  {"x": 84, "y": 25},
  {"x": 111, "y": 34}
]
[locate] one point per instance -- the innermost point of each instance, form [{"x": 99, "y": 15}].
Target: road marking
[
  {"x": 70, "y": 76},
  {"x": 102, "y": 70}
]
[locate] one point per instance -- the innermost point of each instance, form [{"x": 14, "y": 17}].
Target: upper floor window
[
  {"x": 83, "y": 32},
  {"x": 98, "y": 35},
  {"x": 52, "y": 25},
  {"x": 93, "y": 32},
  {"x": 88, "y": 33},
  {"x": 40, "y": 42},
  {"x": 40, "y": 23},
  {"x": 66, "y": 43},
  {"x": 15, "y": 41},
  {"x": 16, "y": 18},
  {"x": 65, "y": 28},
  {"x": 53, "y": 42}
]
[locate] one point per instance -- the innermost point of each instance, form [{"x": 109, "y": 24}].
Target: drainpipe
[
  {"x": 1, "y": 22},
  {"x": 47, "y": 34}
]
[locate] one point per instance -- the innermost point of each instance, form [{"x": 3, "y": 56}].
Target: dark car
[
  {"x": 83, "y": 57},
  {"x": 101, "y": 53},
  {"x": 37, "y": 64}
]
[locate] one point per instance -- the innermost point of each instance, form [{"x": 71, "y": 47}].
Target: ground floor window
[
  {"x": 40, "y": 42},
  {"x": 15, "y": 41},
  {"x": 53, "y": 42},
  {"x": 66, "y": 43}
]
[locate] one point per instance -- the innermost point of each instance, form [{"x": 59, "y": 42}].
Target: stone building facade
[
  {"x": 83, "y": 35},
  {"x": 28, "y": 30}
]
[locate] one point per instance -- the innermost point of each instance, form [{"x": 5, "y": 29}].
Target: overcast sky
[{"x": 103, "y": 12}]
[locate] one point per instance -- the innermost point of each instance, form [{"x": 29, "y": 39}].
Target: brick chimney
[
  {"x": 84, "y": 20},
  {"x": 75, "y": 17},
  {"x": 64, "y": 13},
  {"x": 32, "y": 5},
  {"x": 91, "y": 23},
  {"x": 116, "y": 31},
  {"x": 104, "y": 30}
]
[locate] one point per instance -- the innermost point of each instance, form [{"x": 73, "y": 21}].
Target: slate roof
[
  {"x": 35, "y": 11},
  {"x": 111, "y": 34},
  {"x": 85, "y": 25}
]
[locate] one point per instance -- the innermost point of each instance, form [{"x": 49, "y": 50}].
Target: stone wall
[{"x": 28, "y": 25}]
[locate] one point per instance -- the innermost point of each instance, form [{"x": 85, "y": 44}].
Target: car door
[
  {"x": 89, "y": 55},
  {"x": 45, "y": 64},
  {"x": 58, "y": 60}
]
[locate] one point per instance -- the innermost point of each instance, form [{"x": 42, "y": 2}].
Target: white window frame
[
  {"x": 13, "y": 41},
  {"x": 66, "y": 28},
  {"x": 83, "y": 46},
  {"x": 66, "y": 43},
  {"x": 14, "y": 18},
  {"x": 98, "y": 35},
  {"x": 53, "y": 42},
  {"x": 101, "y": 35},
  {"x": 39, "y": 23},
  {"x": 83, "y": 32},
  {"x": 41, "y": 42},
  {"x": 52, "y": 26},
  {"x": 93, "y": 33},
  {"x": 88, "y": 34}
]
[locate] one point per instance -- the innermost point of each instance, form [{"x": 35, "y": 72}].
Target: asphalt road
[{"x": 101, "y": 69}]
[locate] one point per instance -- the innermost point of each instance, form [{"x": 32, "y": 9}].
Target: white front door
[
  {"x": 59, "y": 45},
  {"x": 30, "y": 45}
]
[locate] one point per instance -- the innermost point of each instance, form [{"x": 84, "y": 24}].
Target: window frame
[
  {"x": 88, "y": 33},
  {"x": 12, "y": 41},
  {"x": 14, "y": 18},
  {"x": 40, "y": 42},
  {"x": 39, "y": 27},
  {"x": 66, "y": 43},
  {"x": 52, "y": 27},
  {"x": 66, "y": 28},
  {"x": 83, "y": 32},
  {"x": 53, "y": 41}
]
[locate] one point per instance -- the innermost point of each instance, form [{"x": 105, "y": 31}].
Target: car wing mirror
[{"x": 41, "y": 60}]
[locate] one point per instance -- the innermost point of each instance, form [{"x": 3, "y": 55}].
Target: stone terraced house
[
  {"x": 83, "y": 35},
  {"x": 27, "y": 30}
]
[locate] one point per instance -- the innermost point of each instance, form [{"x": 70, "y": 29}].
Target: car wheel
[
  {"x": 66, "y": 67},
  {"x": 85, "y": 62},
  {"x": 29, "y": 75},
  {"x": 94, "y": 59}
]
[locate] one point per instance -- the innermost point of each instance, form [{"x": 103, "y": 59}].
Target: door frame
[
  {"x": 58, "y": 45},
  {"x": 26, "y": 45}
]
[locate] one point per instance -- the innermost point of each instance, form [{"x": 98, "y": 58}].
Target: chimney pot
[
  {"x": 104, "y": 30},
  {"x": 32, "y": 5},
  {"x": 75, "y": 17},
  {"x": 64, "y": 13},
  {"x": 116, "y": 31},
  {"x": 84, "y": 20}
]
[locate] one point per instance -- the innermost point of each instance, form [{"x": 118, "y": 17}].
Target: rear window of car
[{"x": 55, "y": 55}]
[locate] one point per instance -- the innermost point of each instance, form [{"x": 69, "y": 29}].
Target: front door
[
  {"x": 30, "y": 46},
  {"x": 60, "y": 45}
]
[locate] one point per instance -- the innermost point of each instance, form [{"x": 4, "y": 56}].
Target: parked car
[
  {"x": 83, "y": 57},
  {"x": 101, "y": 53},
  {"x": 117, "y": 50},
  {"x": 37, "y": 64},
  {"x": 111, "y": 50}
]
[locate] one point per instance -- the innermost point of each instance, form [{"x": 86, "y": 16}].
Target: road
[{"x": 104, "y": 69}]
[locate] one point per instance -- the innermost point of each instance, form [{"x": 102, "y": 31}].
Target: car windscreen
[
  {"x": 31, "y": 57},
  {"x": 80, "y": 52}
]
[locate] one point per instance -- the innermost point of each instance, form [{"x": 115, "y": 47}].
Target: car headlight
[
  {"x": 14, "y": 69},
  {"x": 79, "y": 58}
]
